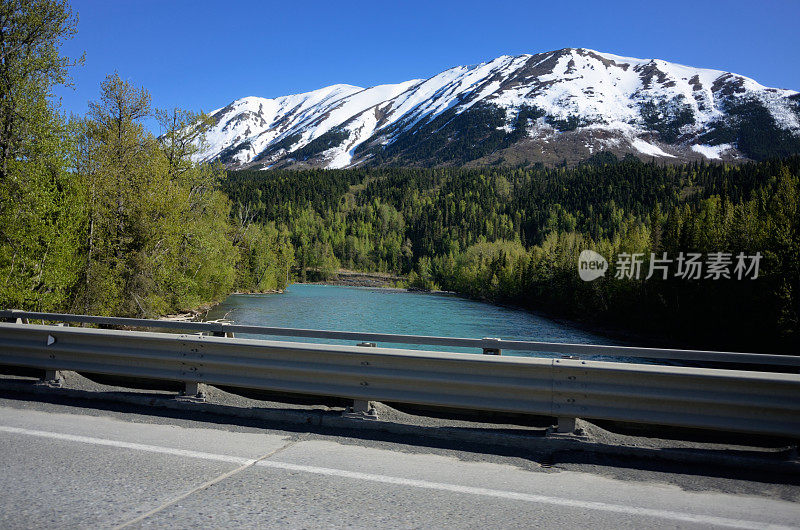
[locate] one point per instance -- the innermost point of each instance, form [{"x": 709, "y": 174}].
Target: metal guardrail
[
  {"x": 731, "y": 400},
  {"x": 579, "y": 350}
]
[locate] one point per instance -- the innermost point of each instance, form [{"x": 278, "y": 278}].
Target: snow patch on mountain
[
  {"x": 621, "y": 100},
  {"x": 649, "y": 149},
  {"x": 712, "y": 152}
]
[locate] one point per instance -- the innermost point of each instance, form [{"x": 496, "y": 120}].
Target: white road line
[
  {"x": 385, "y": 479},
  {"x": 512, "y": 495},
  {"x": 129, "y": 445}
]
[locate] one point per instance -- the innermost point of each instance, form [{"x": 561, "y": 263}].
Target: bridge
[{"x": 149, "y": 466}]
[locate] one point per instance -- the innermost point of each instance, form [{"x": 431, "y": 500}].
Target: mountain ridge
[{"x": 565, "y": 105}]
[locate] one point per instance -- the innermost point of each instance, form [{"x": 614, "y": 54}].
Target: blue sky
[{"x": 201, "y": 55}]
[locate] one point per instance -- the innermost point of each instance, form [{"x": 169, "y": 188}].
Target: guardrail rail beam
[{"x": 710, "y": 398}]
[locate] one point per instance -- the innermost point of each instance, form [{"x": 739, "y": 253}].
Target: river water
[{"x": 393, "y": 311}]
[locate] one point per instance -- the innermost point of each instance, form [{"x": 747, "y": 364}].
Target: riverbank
[
  {"x": 201, "y": 312},
  {"x": 378, "y": 280},
  {"x": 375, "y": 280},
  {"x": 192, "y": 314}
]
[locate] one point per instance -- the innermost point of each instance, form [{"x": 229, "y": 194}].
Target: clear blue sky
[{"x": 201, "y": 55}]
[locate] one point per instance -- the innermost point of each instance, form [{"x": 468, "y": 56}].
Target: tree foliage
[
  {"x": 40, "y": 214},
  {"x": 159, "y": 234},
  {"x": 98, "y": 215}
]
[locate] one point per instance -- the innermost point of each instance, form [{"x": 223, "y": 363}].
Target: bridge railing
[
  {"x": 710, "y": 398},
  {"x": 487, "y": 345}
]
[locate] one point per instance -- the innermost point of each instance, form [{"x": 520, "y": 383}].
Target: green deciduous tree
[
  {"x": 97, "y": 214},
  {"x": 40, "y": 211},
  {"x": 158, "y": 235}
]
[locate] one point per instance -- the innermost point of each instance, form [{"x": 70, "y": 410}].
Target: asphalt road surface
[{"x": 79, "y": 466}]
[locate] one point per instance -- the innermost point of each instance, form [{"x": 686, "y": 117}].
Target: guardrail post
[
  {"x": 192, "y": 367},
  {"x": 569, "y": 393},
  {"x": 490, "y": 350},
  {"x": 566, "y": 425},
  {"x": 361, "y": 410},
  {"x": 52, "y": 378},
  {"x": 193, "y": 391}
]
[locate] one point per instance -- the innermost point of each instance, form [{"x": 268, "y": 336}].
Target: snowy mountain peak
[{"x": 561, "y": 105}]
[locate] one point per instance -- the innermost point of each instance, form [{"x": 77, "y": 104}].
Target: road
[{"x": 84, "y": 466}]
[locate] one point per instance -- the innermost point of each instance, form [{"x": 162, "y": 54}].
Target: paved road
[{"x": 87, "y": 467}]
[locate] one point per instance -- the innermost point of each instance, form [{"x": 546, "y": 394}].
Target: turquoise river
[{"x": 393, "y": 311}]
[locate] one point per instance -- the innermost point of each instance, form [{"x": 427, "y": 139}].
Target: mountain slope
[{"x": 562, "y": 105}]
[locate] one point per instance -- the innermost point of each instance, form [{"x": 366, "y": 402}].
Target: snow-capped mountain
[{"x": 562, "y": 105}]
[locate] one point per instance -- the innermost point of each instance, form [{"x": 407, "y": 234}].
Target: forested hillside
[{"x": 514, "y": 235}]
